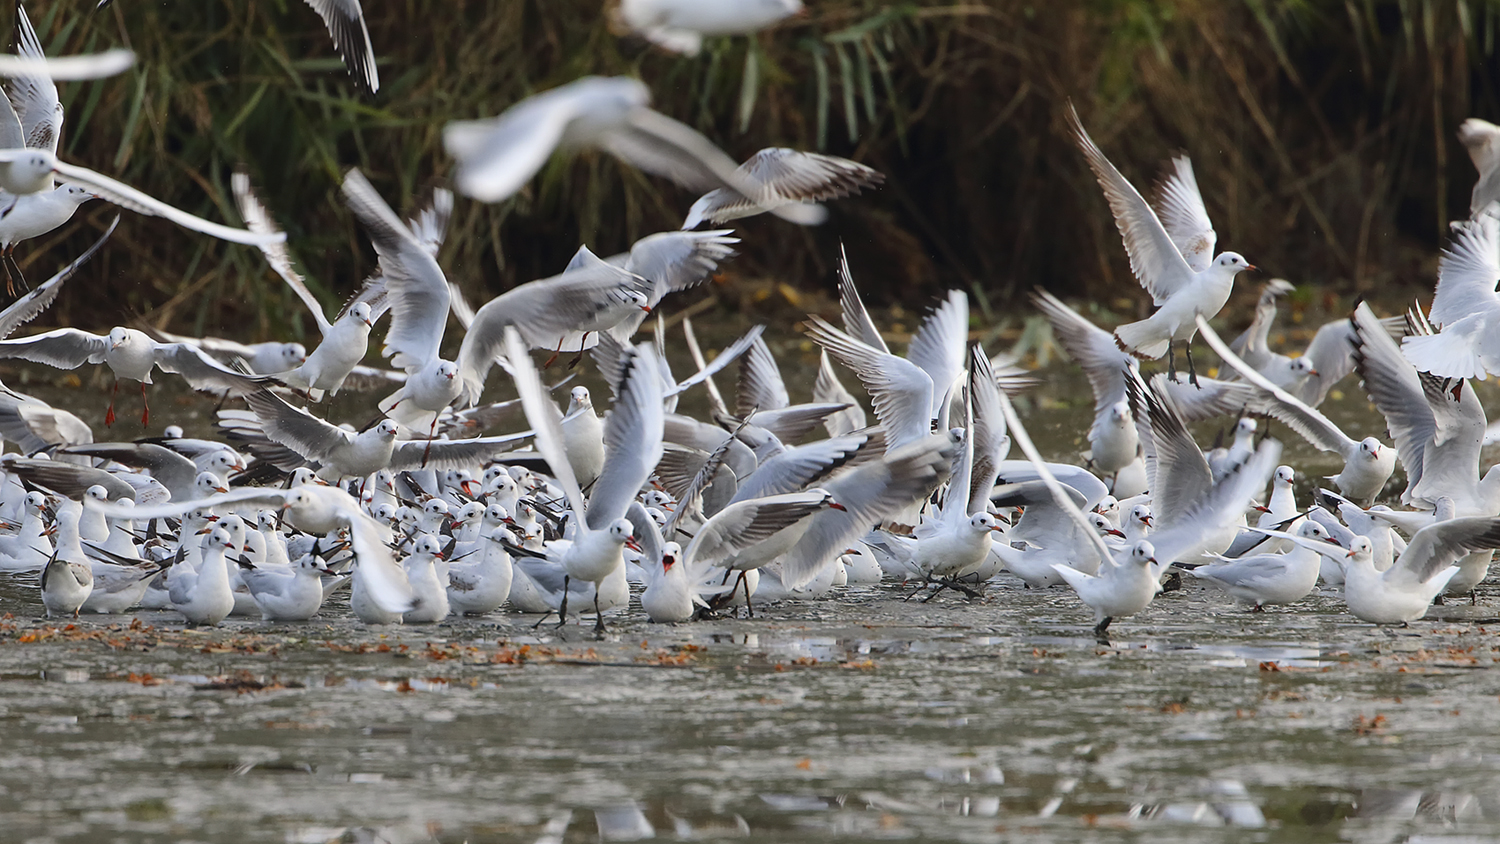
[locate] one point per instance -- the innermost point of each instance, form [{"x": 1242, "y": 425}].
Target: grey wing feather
[
  {"x": 1437, "y": 546},
  {"x": 869, "y": 495},
  {"x": 294, "y": 428},
  {"x": 760, "y": 386},
  {"x": 1220, "y": 505},
  {"x": 451, "y": 454},
  {"x": 940, "y": 345},
  {"x": 416, "y": 285},
  {"x": 203, "y": 372},
  {"x": 26, "y": 308},
  {"x": 64, "y": 348},
  {"x": 857, "y": 320},
  {"x": 70, "y": 480},
  {"x": 1182, "y": 213},
  {"x": 632, "y": 439},
  {"x": 900, "y": 390},
  {"x": 351, "y": 38},
  {"x": 258, "y": 219},
  {"x": 34, "y": 95},
  {"x": 1396, "y": 391},
  {"x": 665, "y": 147},
  {"x": 1089, "y": 346},
  {"x": 1179, "y": 472}
]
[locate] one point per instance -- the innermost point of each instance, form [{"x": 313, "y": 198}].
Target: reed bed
[{"x": 1322, "y": 132}]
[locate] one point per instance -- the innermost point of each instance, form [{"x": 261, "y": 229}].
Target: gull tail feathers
[{"x": 1141, "y": 339}]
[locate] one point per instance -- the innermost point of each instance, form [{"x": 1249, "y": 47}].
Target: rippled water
[{"x": 854, "y": 718}]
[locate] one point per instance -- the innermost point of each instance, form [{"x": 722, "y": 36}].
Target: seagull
[
  {"x": 345, "y": 339},
  {"x": 479, "y": 584},
  {"x": 750, "y": 534},
  {"x": 202, "y": 593},
  {"x": 66, "y": 585},
  {"x": 1269, "y": 578},
  {"x": 1368, "y": 464},
  {"x": 1113, "y": 443},
  {"x": 672, "y": 262},
  {"x": 497, "y": 157},
  {"x": 1438, "y": 428},
  {"x": 1179, "y": 292},
  {"x": 1403, "y": 592},
  {"x": 419, "y": 303},
  {"x": 131, "y": 355},
  {"x": 286, "y": 593},
  {"x": 428, "y": 587},
  {"x": 1310, "y": 376},
  {"x": 30, "y": 126},
  {"x": 633, "y": 446},
  {"x": 680, "y": 25},
  {"x": 784, "y": 177},
  {"x": 1465, "y": 306},
  {"x": 1482, "y": 139}
]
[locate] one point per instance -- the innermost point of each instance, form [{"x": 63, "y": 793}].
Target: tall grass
[{"x": 1322, "y": 133}]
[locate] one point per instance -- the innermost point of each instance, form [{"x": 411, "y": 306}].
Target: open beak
[
  {"x": 1148, "y": 522},
  {"x": 667, "y": 562}
]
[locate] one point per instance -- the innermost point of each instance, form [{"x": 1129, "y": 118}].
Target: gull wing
[
  {"x": 258, "y": 219},
  {"x": 1278, "y": 403},
  {"x": 745, "y": 524},
  {"x": 417, "y": 288},
  {"x": 1396, "y": 390},
  {"x": 783, "y": 175},
  {"x": 665, "y": 147},
  {"x": 39, "y": 298},
  {"x": 857, "y": 320},
  {"x": 1468, "y": 271},
  {"x": 34, "y": 95},
  {"x": 899, "y": 389},
  {"x": 497, "y": 157},
  {"x": 64, "y": 348},
  {"x": 940, "y": 345},
  {"x": 760, "y": 385},
  {"x": 632, "y": 439},
  {"x": 203, "y": 372},
  {"x": 345, "y": 20},
  {"x": 1154, "y": 258},
  {"x": 869, "y": 495},
  {"x": 455, "y": 454},
  {"x": 128, "y": 197},
  {"x": 1090, "y": 346},
  {"x": 1180, "y": 208},
  {"x": 295, "y": 428},
  {"x": 1438, "y": 546}
]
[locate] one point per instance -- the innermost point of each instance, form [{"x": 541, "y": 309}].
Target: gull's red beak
[{"x": 837, "y": 506}]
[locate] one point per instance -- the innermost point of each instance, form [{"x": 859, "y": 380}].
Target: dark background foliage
[{"x": 1322, "y": 132}]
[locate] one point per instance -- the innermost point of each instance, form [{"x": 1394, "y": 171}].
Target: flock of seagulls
[{"x": 422, "y": 512}]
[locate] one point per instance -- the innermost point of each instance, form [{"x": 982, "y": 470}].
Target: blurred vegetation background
[{"x": 1322, "y": 132}]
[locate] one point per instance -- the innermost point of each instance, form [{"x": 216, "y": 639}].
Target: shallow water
[{"x": 855, "y": 718}]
